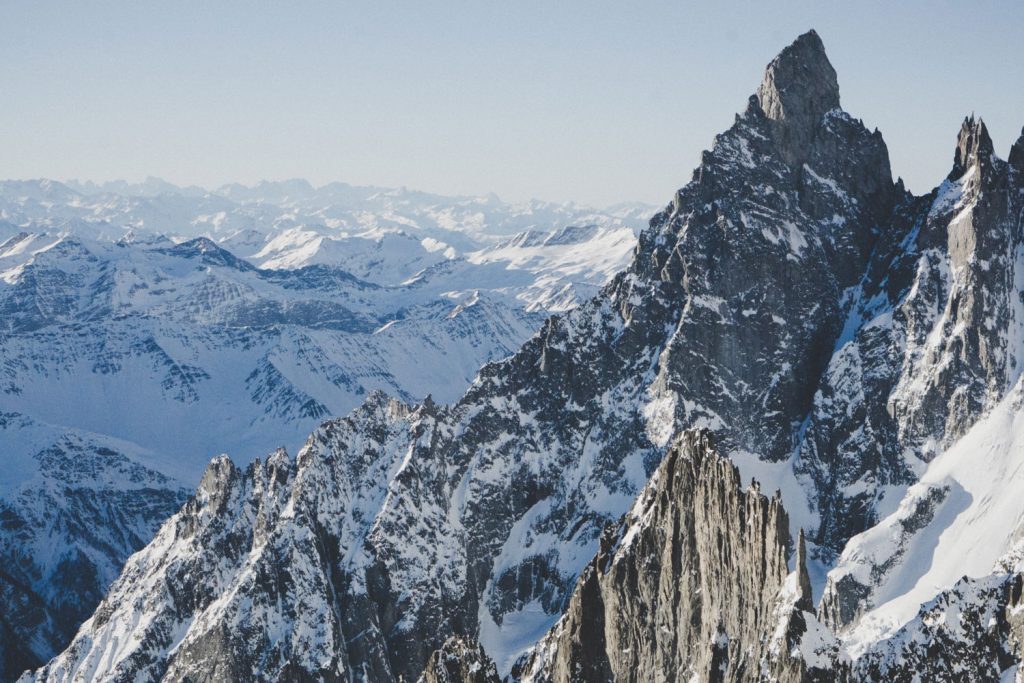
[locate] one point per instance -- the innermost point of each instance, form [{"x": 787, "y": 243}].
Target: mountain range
[
  {"x": 783, "y": 443},
  {"x": 141, "y": 335}
]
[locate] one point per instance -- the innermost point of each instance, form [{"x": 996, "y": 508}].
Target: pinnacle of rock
[
  {"x": 798, "y": 88},
  {"x": 973, "y": 145},
  {"x": 460, "y": 661},
  {"x": 805, "y": 602},
  {"x": 1016, "y": 157}
]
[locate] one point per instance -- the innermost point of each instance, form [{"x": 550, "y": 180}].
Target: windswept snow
[{"x": 976, "y": 521}]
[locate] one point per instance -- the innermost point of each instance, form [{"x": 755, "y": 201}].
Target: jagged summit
[
  {"x": 973, "y": 145},
  {"x": 1016, "y": 158},
  {"x": 798, "y": 88},
  {"x": 805, "y": 600},
  {"x": 703, "y": 546},
  {"x": 210, "y": 253}
]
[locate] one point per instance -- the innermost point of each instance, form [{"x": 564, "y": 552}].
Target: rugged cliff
[
  {"x": 693, "y": 584},
  {"x": 460, "y": 661}
]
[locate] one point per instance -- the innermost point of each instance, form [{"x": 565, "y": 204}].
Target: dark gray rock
[
  {"x": 460, "y": 661},
  {"x": 927, "y": 344},
  {"x": 799, "y": 88}
]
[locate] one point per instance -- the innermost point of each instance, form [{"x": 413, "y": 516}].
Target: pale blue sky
[{"x": 597, "y": 102}]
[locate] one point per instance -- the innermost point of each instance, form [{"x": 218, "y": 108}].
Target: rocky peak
[
  {"x": 1016, "y": 157},
  {"x": 973, "y": 146},
  {"x": 678, "y": 592},
  {"x": 207, "y": 252},
  {"x": 215, "y": 486},
  {"x": 460, "y": 661},
  {"x": 798, "y": 89},
  {"x": 805, "y": 600}
]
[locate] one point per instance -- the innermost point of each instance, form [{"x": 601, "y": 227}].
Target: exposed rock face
[
  {"x": 972, "y": 235},
  {"x": 460, "y": 661},
  {"x": 765, "y": 250},
  {"x": 799, "y": 88},
  {"x": 693, "y": 584},
  {"x": 932, "y": 339}
]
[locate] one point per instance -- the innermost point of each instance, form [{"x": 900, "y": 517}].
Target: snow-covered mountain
[
  {"x": 130, "y": 356},
  {"x": 793, "y": 318}
]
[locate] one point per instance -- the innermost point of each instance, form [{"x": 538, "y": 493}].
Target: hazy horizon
[
  {"x": 110, "y": 185},
  {"x": 588, "y": 103}
]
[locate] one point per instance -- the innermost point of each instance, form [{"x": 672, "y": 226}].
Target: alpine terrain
[
  {"x": 143, "y": 330},
  {"x": 784, "y": 443}
]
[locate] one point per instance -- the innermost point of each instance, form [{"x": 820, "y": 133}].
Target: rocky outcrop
[
  {"x": 692, "y": 584},
  {"x": 969, "y": 243},
  {"x": 799, "y": 88},
  {"x": 460, "y": 661}
]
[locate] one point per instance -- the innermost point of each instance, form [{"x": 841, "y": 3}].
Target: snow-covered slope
[
  {"x": 960, "y": 519},
  {"x": 73, "y": 506},
  {"x": 107, "y": 337},
  {"x": 105, "y": 334},
  {"x": 566, "y": 262}
]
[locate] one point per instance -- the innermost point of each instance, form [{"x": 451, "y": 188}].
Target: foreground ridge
[{"x": 693, "y": 584}]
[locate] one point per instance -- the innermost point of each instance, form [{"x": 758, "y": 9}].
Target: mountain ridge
[{"x": 120, "y": 346}]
